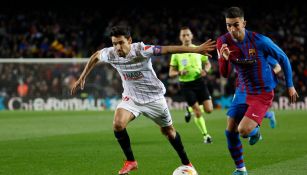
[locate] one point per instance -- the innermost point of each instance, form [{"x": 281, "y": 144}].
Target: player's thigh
[
  {"x": 247, "y": 125},
  {"x": 208, "y": 106},
  {"x": 158, "y": 111},
  {"x": 125, "y": 112},
  {"x": 258, "y": 105},
  {"x": 204, "y": 97}
]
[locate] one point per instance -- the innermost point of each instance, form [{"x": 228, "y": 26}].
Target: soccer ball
[{"x": 185, "y": 170}]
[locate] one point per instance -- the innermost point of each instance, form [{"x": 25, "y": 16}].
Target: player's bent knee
[
  {"x": 244, "y": 131},
  {"x": 208, "y": 110},
  {"x": 198, "y": 114},
  {"x": 118, "y": 126},
  {"x": 169, "y": 131}
]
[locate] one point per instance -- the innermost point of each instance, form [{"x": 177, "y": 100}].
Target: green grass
[{"x": 82, "y": 143}]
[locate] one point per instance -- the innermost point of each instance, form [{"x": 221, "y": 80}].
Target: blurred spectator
[{"x": 22, "y": 89}]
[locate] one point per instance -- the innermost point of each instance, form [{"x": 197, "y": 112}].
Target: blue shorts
[
  {"x": 237, "y": 111},
  {"x": 251, "y": 106},
  {"x": 238, "y": 106}
]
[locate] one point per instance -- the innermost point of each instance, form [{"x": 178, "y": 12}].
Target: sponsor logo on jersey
[
  {"x": 245, "y": 61},
  {"x": 137, "y": 59},
  {"x": 133, "y": 75}
]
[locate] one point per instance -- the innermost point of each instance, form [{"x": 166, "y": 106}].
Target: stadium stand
[{"x": 75, "y": 34}]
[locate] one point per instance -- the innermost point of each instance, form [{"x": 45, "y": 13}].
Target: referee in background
[{"x": 191, "y": 68}]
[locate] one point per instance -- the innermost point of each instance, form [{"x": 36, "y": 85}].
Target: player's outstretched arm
[
  {"x": 89, "y": 66},
  {"x": 204, "y": 48}
]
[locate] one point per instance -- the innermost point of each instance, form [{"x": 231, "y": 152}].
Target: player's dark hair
[
  {"x": 120, "y": 31},
  {"x": 185, "y": 28},
  {"x": 234, "y": 12}
]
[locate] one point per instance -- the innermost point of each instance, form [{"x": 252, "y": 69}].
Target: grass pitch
[{"x": 82, "y": 143}]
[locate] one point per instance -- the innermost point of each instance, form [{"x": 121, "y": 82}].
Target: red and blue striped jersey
[{"x": 250, "y": 60}]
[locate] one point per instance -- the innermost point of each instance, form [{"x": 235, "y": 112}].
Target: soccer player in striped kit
[
  {"x": 248, "y": 52},
  {"x": 240, "y": 95},
  {"x": 143, "y": 91}
]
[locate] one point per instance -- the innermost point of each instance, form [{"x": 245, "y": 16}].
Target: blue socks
[
  {"x": 235, "y": 148},
  {"x": 254, "y": 131}
]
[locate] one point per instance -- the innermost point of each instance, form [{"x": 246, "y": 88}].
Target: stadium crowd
[{"x": 78, "y": 34}]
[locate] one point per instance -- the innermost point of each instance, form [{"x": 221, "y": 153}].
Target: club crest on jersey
[
  {"x": 252, "y": 52},
  {"x": 133, "y": 75}
]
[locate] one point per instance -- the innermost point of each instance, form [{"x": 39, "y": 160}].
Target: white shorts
[{"x": 156, "y": 110}]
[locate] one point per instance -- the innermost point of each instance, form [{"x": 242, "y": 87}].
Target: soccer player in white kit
[{"x": 143, "y": 91}]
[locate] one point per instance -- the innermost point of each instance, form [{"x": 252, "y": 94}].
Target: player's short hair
[
  {"x": 185, "y": 28},
  {"x": 120, "y": 31},
  {"x": 234, "y": 12}
]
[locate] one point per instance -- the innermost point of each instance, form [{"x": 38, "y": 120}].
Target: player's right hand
[
  {"x": 224, "y": 51},
  {"x": 79, "y": 83}
]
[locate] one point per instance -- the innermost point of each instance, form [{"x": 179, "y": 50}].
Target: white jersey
[{"x": 139, "y": 80}]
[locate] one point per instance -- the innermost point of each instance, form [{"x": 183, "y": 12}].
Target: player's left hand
[
  {"x": 292, "y": 94},
  {"x": 206, "y": 47}
]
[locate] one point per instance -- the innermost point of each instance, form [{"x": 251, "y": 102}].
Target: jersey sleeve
[
  {"x": 272, "y": 62},
  {"x": 174, "y": 60},
  {"x": 224, "y": 65},
  {"x": 150, "y": 50},
  {"x": 103, "y": 54},
  {"x": 204, "y": 58},
  {"x": 274, "y": 51}
]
